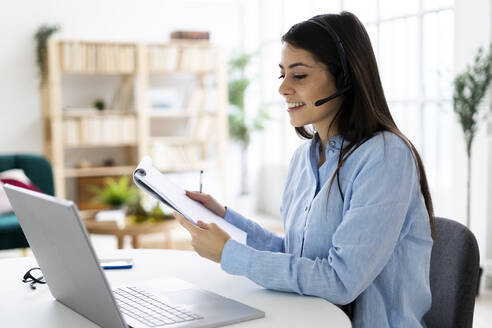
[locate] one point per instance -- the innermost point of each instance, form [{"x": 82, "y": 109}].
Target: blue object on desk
[{"x": 110, "y": 264}]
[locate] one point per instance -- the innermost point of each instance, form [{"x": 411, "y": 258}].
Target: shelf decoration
[{"x": 42, "y": 35}]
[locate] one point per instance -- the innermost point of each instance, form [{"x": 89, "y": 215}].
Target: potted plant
[
  {"x": 42, "y": 35},
  {"x": 115, "y": 194},
  {"x": 137, "y": 213},
  {"x": 240, "y": 128},
  {"x": 469, "y": 89},
  {"x": 99, "y": 104}
]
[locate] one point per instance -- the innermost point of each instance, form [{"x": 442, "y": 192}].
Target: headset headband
[{"x": 340, "y": 50}]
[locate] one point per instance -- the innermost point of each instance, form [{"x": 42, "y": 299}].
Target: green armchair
[{"x": 38, "y": 170}]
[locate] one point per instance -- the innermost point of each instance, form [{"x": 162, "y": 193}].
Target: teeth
[{"x": 296, "y": 104}]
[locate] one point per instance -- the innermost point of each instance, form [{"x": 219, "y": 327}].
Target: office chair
[{"x": 453, "y": 276}]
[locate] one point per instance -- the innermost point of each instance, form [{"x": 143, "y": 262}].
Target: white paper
[
  {"x": 112, "y": 215},
  {"x": 159, "y": 186}
]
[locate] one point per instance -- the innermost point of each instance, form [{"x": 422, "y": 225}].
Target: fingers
[
  {"x": 196, "y": 195},
  {"x": 188, "y": 225},
  {"x": 215, "y": 229},
  {"x": 208, "y": 201},
  {"x": 208, "y": 226},
  {"x": 177, "y": 215},
  {"x": 202, "y": 224}
]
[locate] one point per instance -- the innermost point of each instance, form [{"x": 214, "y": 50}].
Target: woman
[{"x": 356, "y": 207}]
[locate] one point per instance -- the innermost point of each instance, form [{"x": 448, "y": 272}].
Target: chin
[
  {"x": 300, "y": 118},
  {"x": 296, "y": 123}
]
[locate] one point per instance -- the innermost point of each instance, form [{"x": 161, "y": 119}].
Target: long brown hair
[{"x": 364, "y": 111}]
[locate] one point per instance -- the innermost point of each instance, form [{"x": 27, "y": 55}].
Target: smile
[{"x": 294, "y": 106}]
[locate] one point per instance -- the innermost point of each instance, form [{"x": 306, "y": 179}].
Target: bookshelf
[{"x": 188, "y": 136}]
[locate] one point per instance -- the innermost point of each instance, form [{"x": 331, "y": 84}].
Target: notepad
[{"x": 159, "y": 186}]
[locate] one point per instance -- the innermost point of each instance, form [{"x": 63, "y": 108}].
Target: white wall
[
  {"x": 152, "y": 20},
  {"x": 473, "y": 28},
  {"x": 144, "y": 20}
]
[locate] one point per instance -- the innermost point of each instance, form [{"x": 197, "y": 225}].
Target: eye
[{"x": 300, "y": 76}]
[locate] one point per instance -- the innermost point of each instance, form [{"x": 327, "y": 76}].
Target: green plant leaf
[
  {"x": 470, "y": 88},
  {"x": 41, "y": 36},
  {"x": 240, "y": 128},
  {"x": 115, "y": 193}
]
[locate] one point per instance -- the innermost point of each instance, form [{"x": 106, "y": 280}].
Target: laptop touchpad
[{"x": 192, "y": 296}]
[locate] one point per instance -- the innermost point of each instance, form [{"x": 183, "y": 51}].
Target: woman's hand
[
  {"x": 208, "y": 240},
  {"x": 207, "y": 201}
]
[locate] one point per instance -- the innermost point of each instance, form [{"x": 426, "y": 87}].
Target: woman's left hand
[{"x": 208, "y": 240}]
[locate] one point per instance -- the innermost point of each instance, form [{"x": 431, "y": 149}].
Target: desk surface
[{"x": 22, "y": 307}]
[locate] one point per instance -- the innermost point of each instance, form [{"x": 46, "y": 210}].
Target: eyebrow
[{"x": 294, "y": 65}]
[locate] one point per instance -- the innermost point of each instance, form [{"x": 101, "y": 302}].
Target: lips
[{"x": 293, "y": 106}]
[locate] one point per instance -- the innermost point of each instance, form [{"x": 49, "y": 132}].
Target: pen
[{"x": 201, "y": 180}]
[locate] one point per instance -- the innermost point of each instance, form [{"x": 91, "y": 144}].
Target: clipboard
[{"x": 160, "y": 187}]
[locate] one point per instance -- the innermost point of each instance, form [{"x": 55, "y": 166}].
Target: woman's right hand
[{"x": 207, "y": 201}]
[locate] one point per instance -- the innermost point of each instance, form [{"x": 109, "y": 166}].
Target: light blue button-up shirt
[{"x": 373, "y": 247}]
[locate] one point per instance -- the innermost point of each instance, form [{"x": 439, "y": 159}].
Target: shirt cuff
[
  {"x": 233, "y": 217},
  {"x": 236, "y": 258}
]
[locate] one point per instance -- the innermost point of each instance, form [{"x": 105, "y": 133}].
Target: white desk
[{"x": 22, "y": 307}]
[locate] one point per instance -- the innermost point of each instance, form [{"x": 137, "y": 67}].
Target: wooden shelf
[
  {"x": 176, "y": 140},
  {"x": 90, "y": 112},
  {"x": 125, "y": 135},
  {"x": 98, "y": 72},
  {"x": 85, "y": 57},
  {"x": 97, "y": 42},
  {"x": 175, "y": 115},
  {"x": 190, "y": 43},
  {"x": 204, "y": 72},
  {"x": 101, "y": 145},
  {"x": 196, "y": 166},
  {"x": 88, "y": 214},
  {"x": 98, "y": 171},
  {"x": 168, "y": 115}
]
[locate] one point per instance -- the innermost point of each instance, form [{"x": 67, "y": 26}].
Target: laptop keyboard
[{"x": 142, "y": 306}]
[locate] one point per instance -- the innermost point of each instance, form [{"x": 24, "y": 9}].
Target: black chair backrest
[{"x": 453, "y": 275}]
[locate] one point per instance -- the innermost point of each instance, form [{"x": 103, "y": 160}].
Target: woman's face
[{"x": 305, "y": 81}]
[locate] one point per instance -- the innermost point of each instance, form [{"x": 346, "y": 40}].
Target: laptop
[{"x": 62, "y": 248}]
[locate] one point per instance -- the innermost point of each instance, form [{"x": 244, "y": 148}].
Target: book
[
  {"x": 160, "y": 187},
  {"x": 191, "y": 35}
]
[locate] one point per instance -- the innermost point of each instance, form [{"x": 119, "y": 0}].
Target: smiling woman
[
  {"x": 305, "y": 81},
  {"x": 364, "y": 245}
]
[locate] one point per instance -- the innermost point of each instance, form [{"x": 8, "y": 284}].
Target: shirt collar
[{"x": 334, "y": 143}]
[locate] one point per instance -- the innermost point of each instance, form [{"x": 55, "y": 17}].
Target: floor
[
  {"x": 483, "y": 309},
  {"x": 483, "y": 304}
]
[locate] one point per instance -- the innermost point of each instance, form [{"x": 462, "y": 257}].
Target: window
[{"x": 413, "y": 43}]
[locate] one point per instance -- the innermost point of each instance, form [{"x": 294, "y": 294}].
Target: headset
[{"x": 342, "y": 80}]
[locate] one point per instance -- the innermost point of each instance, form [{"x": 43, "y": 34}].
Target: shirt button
[
  {"x": 332, "y": 143},
  {"x": 305, "y": 210},
  {"x": 331, "y": 151}
]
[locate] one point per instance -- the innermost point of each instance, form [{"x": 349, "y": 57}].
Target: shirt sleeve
[
  {"x": 362, "y": 244},
  {"x": 258, "y": 237}
]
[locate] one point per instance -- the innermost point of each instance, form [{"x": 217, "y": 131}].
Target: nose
[{"x": 285, "y": 89}]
